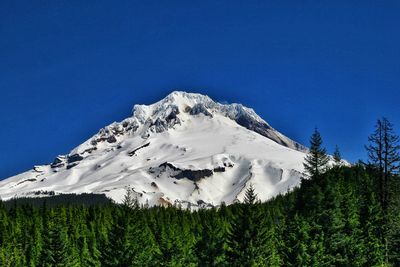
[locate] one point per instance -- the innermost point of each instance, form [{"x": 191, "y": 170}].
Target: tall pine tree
[
  {"x": 248, "y": 234},
  {"x": 383, "y": 151},
  {"x": 337, "y": 157},
  {"x": 317, "y": 160}
]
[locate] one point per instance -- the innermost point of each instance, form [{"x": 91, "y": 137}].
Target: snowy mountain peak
[
  {"x": 176, "y": 102},
  {"x": 169, "y": 111},
  {"x": 184, "y": 148},
  {"x": 187, "y": 101}
]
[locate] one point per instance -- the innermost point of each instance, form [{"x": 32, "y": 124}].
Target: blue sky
[{"x": 68, "y": 68}]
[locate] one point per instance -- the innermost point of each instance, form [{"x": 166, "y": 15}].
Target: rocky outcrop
[
  {"x": 110, "y": 133},
  {"x": 27, "y": 180},
  {"x": 163, "y": 123},
  {"x": 219, "y": 169},
  {"x": 57, "y": 163},
  {"x": 133, "y": 152},
  {"x": 177, "y": 173},
  {"x": 194, "y": 175},
  {"x": 69, "y": 166},
  {"x": 74, "y": 158},
  {"x": 199, "y": 108}
]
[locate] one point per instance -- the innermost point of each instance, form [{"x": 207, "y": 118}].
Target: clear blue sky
[{"x": 68, "y": 68}]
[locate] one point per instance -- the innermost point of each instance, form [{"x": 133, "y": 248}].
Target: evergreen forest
[{"x": 341, "y": 215}]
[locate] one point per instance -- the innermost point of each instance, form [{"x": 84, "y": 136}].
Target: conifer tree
[
  {"x": 55, "y": 249},
  {"x": 394, "y": 239},
  {"x": 337, "y": 157},
  {"x": 317, "y": 160},
  {"x": 247, "y": 236},
  {"x": 212, "y": 244},
  {"x": 250, "y": 195},
  {"x": 372, "y": 238},
  {"x": 114, "y": 251},
  {"x": 86, "y": 257},
  {"x": 130, "y": 201},
  {"x": 141, "y": 246},
  {"x": 383, "y": 151},
  {"x": 274, "y": 243},
  {"x": 297, "y": 241}
]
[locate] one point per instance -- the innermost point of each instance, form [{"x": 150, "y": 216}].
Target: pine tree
[
  {"x": 247, "y": 237},
  {"x": 394, "y": 239},
  {"x": 212, "y": 244},
  {"x": 86, "y": 257},
  {"x": 383, "y": 152},
  {"x": 317, "y": 160},
  {"x": 129, "y": 200},
  {"x": 332, "y": 221},
  {"x": 394, "y": 221},
  {"x": 353, "y": 245},
  {"x": 141, "y": 246},
  {"x": 114, "y": 251},
  {"x": 274, "y": 244},
  {"x": 372, "y": 238},
  {"x": 337, "y": 157},
  {"x": 55, "y": 249},
  {"x": 250, "y": 195}
]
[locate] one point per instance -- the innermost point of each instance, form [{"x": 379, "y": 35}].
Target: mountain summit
[{"x": 184, "y": 149}]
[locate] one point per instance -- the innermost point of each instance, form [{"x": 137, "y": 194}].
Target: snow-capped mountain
[{"x": 184, "y": 149}]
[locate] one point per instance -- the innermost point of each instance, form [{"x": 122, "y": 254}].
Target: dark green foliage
[
  {"x": 247, "y": 236},
  {"x": 334, "y": 219},
  {"x": 316, "y": 161},
  {"x": 130, "y": 201},
  {"x": 56, "y": 250},
  {"x": 337, "y": 157},
  {"x": 115, "y": 248},
  {"x": 212, "y": 244},
  {"x": 64, "y": 199},
  {"x": 384, "y": 158},
  {"x": 250, "y": 197}
]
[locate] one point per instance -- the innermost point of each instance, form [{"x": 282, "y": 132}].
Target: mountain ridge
[{"x": 207, "y": 144}]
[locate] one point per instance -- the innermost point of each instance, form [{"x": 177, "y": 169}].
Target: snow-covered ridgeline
[{"x": 185, "y": 148}]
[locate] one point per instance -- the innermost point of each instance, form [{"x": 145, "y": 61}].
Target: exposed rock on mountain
[{"x": 183, "y": 149}]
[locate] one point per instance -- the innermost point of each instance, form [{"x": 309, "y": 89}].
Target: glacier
[{"x": 185, "y": 149}]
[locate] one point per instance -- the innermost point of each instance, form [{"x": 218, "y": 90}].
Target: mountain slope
[{"x": 185, "y": 148}]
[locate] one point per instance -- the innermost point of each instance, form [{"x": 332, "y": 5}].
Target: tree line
[{"x": 340, "y": 216}]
